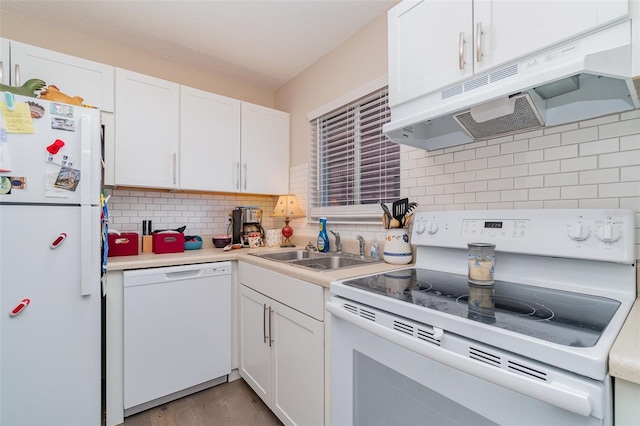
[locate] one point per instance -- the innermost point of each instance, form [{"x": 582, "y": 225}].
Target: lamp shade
[{"x": 287, "y": 206}]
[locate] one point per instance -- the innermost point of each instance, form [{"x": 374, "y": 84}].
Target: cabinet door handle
[
  {"x": 244, "y": 175},
  {"x": 270, "y": 339},
  {"x": 1, "y": 71},
  {"x": 461, "y": 51},
  {"x": 479, "y": 42},
  {"x": 17, "y": 74},
  {"x": 264, "y": 322},
  {"x": 237, "y": 177},
  {"x": 175, "y": 166}
]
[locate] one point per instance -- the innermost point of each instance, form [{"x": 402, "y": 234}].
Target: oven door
[{"x": 382, "y": 376}]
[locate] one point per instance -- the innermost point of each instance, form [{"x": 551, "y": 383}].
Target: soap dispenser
[{"x": 323, "y": 237}]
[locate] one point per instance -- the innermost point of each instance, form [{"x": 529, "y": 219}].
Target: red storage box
[
  {"x": 168, "y": 243},
  {"x": 123, "y": 244}
]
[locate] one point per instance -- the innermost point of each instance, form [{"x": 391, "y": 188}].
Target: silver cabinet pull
[
  {"x": 479, "y": 42},
  {"x": 175, "y": 166},
  {"x": 17, "y": 79},
  {"x": 1, "y": 71},
  {"x": 461, "y": 50},
  {"x": 244, "y": 175},
  {"x": 270, "y": 335},
  {"x": 264, "y": 323},
  {"x": 237, "y": 170}
]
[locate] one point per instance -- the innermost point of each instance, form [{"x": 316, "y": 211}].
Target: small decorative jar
[
  {"x": 397, "y": 249},
  {"x": 482, "y": 258}
]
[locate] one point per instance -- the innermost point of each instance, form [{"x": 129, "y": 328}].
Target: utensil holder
[{"x": 397, "y": 249}]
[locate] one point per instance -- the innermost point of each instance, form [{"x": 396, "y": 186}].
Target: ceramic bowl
[
  {"x": 221, "y": 241},
  {"x": 193, "y": 244}
]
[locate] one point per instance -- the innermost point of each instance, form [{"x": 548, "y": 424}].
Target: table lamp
[{"x": 287, "y": 206}]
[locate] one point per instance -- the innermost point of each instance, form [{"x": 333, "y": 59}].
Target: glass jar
[{"x": 482, "y": 259}]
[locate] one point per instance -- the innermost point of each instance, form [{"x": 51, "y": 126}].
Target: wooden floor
[{"x": 228, "y": 404}]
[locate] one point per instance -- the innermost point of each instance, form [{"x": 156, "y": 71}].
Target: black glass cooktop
[{"x": 557, "y": 316}]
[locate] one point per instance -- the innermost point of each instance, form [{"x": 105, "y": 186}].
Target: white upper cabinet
[
  {"x": 177, "y": 137},
  {"x": 428, "y": 46},
  {"x": 146, "y": 131},
  {"x": 5, "y": 61},
  {"x": 436, "y": 43},
  {"x": 73, "y": 76},
  {"x": 209, "y": 141},
  {"x": 264, "y": 166}
]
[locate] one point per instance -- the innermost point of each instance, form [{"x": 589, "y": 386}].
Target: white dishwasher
[{"x": 177, "y": 332}]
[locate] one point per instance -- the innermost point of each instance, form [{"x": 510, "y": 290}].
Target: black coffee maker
[{"x": 246, "y": 220}]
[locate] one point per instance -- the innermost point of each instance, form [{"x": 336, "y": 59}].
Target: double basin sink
[{"x": 315, "y": 260}]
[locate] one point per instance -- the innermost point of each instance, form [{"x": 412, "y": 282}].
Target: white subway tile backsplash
[
  {"x": 528, "y": 135},
  {"x": 513, "y": 171},
  {"x": 514, "y": 195},
  {"x": 561, "y": 204},
  {"x": 561, "y": 179},
  {"x": 600, "y": 176},
  {"x": 500, "y": 160},
  {"x": 630, "y": 114},
  {"x": 464, "y": 155},
  {"x": 517, "y": 146},
  {"x": 568, "y": 151},
  {"x": 547, "y": 141},
  {"x": 528, "y": 182},
  {"x": 630, "y": 174},
  {"x": 528, "y": 204},
  {"x": 580, "y": 135},
  {"x": 486, "y": 174},
  {"x": 560, "y": 129},
  {"x": 577, "y": 164},
  {"x": 464, "y": 198},
  {"x": 544, "y": 168},
  {"x": 500, "y": 140},
  {"x": 620, "y": 159},
  {"x": 599, "y": 203},
  {"x": 620, "y": 128},
  {"x": 630, "y": 142},
  {"x": 464, "y": 176},
  {"x": 528, "y": 157},
  {"x": 454, "y": 188},
  {"x": 488, "y": 151},
  {"x": 544, "y": 193},
  {"x": 500, "y": 184},
  {"x": 599, "y": 147},
  {"x": 480, "y": 163},
  {"x": 443, "y": 179},
  {"x": 600, "y": 120},
  {"x": 445, "y": 158},
  {"x": 474, "y": 145},
  {"x": 488, "y": 197},
  {"x": 625, "y": 189},
  {"x": 454, "y": 167},
  {"x": 475, "y": 186},
  {"x": 580, "y": 191}
]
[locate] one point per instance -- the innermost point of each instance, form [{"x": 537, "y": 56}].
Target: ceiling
[{"x": 262, "y": 42}]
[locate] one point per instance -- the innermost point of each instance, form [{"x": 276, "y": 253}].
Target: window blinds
[{"x": 353, "y": 165}]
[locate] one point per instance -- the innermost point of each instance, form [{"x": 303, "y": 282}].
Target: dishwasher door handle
[{"x": 182, "y": 275}]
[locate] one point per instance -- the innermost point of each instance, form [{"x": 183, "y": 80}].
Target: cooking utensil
[
  {"x": 400, "y": 209},
  {"x": 387, "y": 215}
]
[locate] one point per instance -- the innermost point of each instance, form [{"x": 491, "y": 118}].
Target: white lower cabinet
[{"x": 282, "y": 347}]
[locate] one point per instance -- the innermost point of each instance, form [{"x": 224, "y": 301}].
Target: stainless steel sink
[
  {"x": 331, "y": 262},
  {"x": 288, "y": 255},
  {"x": 316, "y": 260}
]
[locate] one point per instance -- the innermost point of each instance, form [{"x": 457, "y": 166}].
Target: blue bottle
[{"x": 323, "y": 238}]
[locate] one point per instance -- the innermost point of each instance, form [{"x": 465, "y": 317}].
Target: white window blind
[{"x": 353, "y": 165}]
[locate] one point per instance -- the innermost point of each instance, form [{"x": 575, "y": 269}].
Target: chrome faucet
[
  {"x": 361, "y": 240},
  {"x": 338, "y": 242}
]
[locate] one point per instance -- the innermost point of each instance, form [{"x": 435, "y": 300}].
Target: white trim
[{"x": 372, "y": 86}]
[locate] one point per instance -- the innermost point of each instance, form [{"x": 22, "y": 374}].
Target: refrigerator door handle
[
  {"x": 85, "y": 159},
  {"x": 86, "y": 251}
]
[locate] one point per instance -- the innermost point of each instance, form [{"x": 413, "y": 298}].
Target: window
[{"x": 353, "y": 165}]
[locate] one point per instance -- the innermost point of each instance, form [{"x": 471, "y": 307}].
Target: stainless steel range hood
[{"x": 583, "y": 79}]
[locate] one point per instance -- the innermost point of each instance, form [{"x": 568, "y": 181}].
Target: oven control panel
[
  {"x": 508, "y": 229},
  {"x": 599, "y": 234}
]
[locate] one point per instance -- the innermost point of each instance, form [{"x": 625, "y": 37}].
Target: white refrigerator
[{"x": 50, "y": 263}]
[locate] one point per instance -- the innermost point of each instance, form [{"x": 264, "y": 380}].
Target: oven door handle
[{"x": 569, "y": 399}]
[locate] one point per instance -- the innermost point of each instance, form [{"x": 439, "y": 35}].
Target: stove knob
[
  {"x": 420, "y": 227},
  {"x": 578, "y": 232},
  {"x": 608, "y": 234},
  {"x": 433, "y": 228}
]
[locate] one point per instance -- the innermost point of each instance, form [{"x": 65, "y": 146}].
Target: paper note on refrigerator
[{"x": 19, "y": 120}]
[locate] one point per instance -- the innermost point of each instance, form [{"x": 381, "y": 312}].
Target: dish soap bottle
[
  {"x": 323, "y": 238},
  {"x": 375, "y": 249}
]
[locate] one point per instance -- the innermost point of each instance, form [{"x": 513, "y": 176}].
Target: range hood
[{"x": 582, "y": 79}]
